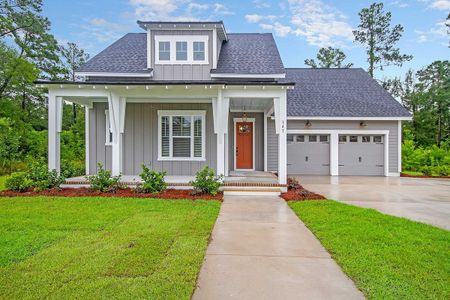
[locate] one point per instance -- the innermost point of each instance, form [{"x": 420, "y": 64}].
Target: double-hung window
[
  {"x": 182, "y": 51},
  {"x": 199, "y": 51},
  {"x": 164, "y": 51},
  {"x": 181, "y": 135}
]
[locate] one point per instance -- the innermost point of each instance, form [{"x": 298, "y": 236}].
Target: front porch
[{"x": 135, "y": 117}]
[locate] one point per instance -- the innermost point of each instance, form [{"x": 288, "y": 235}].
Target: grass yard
[
  {"x": 387, "y": 257},
  {"x": 92, "y": 248},
  {"x": 2, "y": 182}
]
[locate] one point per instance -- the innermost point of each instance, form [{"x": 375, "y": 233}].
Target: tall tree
[
  {"x": 72, "y": 58},
  {"x": 329, "y": 58},
  {"x": 23, "y": 25},
  {"x": 375, "y": 32}
]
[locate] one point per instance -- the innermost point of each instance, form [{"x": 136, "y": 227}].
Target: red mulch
[
  {"x": 122, "y": 193},
  {"x": 297, "y": 193},
  {"x": 423, "y": 176}
]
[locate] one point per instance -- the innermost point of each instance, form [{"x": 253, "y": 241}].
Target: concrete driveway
[{"x": 423, "y": 200}]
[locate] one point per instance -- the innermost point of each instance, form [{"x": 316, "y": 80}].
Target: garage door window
[
  {"x": 300, "y": 138},
  {"x": 366, "y": 138},
  {"x": 312, "y": 138},
  {"x": 377, "y": 139},
  {"x": 353, "y": 139},
  {"x": 323, "y": 138},
  {"x": 342, "y": 139}
]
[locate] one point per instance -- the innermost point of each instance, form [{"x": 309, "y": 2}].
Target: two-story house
[{"x": 182, "y": 95}]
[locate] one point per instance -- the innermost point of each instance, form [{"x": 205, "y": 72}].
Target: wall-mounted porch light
[
  {"x": 308, "y": 124},
  {"x": 363, "y": 124}
]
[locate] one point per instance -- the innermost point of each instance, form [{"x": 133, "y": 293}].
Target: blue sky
[{"x": 300, "y": 27}]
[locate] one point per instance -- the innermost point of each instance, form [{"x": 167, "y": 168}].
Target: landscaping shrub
[
  {"x": 207, "y": 182},
  {"x": 293, "y": 184},
  {"x": 72, "y": 168},
  {"x": 42, "y": 178},
  {"x": 153, "y": 181},
  {"x": 429, "y": 160},
  {"x": 103, "y": 181},
  {"x": 18, "y": 182}
]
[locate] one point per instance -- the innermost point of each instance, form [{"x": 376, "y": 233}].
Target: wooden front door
[{"x": 244, "y": 145}]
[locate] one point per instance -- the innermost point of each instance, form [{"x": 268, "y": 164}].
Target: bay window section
[{"x": 181, "y": 135}]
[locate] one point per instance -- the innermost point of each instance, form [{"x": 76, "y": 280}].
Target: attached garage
[
  {"x": 361, "y": 155},
  {"x": 308, "y": 154}
]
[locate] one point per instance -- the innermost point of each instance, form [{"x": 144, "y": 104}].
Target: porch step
[{"x": 252, "y": 191}]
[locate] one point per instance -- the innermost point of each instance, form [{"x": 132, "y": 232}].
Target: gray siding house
[{"x": 182, "y": 95}]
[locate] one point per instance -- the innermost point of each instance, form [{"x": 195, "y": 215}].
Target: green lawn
[
  {"x": 387, "y": 257},
  {"x": 101, "y": 248},
  {"x": 2, "y": 182}
]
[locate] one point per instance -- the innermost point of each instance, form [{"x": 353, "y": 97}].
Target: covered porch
[{"x": 228, "y": 104}]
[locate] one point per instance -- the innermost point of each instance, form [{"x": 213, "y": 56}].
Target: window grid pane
[
  {"x": 181, "y": 48},
  {"x": 199, "y": 51},
  {"x": 164, "y": 50},
  {"x": 165, "y": 134},
  {"x": 198, "y": 136}
]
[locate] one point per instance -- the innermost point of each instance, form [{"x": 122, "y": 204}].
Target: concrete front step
[{"x": 251, "y": 191}]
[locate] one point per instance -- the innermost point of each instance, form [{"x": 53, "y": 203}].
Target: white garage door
[
  {"x": 361, "y": 155},
  {"x": 308, "y": 154}
]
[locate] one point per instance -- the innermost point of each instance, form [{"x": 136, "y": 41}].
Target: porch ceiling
[{"x": 250, "y": 104}]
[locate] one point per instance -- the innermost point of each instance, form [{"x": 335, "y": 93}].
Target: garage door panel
[
  {"x": 308, "y": 158},
  {"x": 361, "y": 158}
]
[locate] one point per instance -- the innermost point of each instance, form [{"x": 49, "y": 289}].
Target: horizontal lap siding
[
  {"x": 272, "y": 146},
  {"x": 392, "y": 126},
  {"x": 140, "y": 139}
]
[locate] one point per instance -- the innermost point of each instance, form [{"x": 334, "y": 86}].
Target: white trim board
[
  {"x": 351, "y": 118},
  {"x": 334, "y": 144},
  {"x": 237, "y": 75},
  {"x": 114, "y": 74},
  {"x": 250, "y": 120}
]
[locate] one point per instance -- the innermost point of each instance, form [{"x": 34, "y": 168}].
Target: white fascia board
[
  {"x": 352, "y": 118},
  {"x": 236, "y": 75},
  {"x": 110, "y": 74}
]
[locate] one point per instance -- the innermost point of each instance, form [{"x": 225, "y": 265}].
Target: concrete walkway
[{"x": 260, "y": 250}]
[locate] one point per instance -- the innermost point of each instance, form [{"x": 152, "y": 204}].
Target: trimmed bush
[
  {"x": 42, "y": 178},
  {"x": 103, "y": 181},
  {"x": 72, "y": 168},
  {"x": 207, "y": 182},
  {"x": 18, "y": 182},
  {"x": 153, "y": 181}
]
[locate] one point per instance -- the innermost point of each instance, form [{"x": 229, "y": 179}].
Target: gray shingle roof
[
  {"x": 249, "y": 53},
  {"x": 339, "y": 93},
  {"x": 127, "y": 55}
]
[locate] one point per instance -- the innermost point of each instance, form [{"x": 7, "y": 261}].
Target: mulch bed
[
  {"x": 122, "y": 193},
  {"x": 296, "y": 192},
  {"x": 423, "y": 176}
]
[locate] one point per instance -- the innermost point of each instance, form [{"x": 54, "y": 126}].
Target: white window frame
[
  {"x": 181, "y": 113},
  {"x": 108, "y": 139},
  {"x": 173, "y": 39},
  {"x": 159, "y": 50}
]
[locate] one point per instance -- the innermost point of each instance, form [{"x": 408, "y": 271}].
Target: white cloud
[
  {"x": 320, "y": 24},
  {"x": 398, "y": 3},
  {"x": 153, "y": 9},
  {"x": 437, "y": 4},
  {"x": 253, "y": 18},
  {"x": 437, "y": 33},
  {"x": 280, "y": 29},
  {"x": 261, "y": 4},
  {"x": 220, "y": 9}
]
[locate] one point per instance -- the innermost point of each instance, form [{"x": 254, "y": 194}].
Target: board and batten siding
[
  {"x": 392, "y": 126},
  {"x": 259, "y": 139},
  {"x": 181, "y": 71},
  {"x": 140, "y": 139},
  {"x": 98, "y": 151}
]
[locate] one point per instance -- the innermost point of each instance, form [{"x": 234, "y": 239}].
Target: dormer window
[
  {"x": 164, "y": 51},
  {"x": 199, "y": 51},
  {"x": 181, "y": 49}
]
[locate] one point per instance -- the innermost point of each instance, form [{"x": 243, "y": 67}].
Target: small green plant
[
  {"x": 18, "y": 182},
  {"x": 207, "y": 182},
  {"x": 103, "y": 181},
  {"x": 153, "y": 181},
  {"x": 42, "y": 178},
  {"x": 426, "y": 170}
]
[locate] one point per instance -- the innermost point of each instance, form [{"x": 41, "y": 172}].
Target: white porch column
[
  {"x": 117, "y": 106},
  {"x": 221, "y": 108},
  {"x": 281, "y": 130},
  {"x": 54, "y": 131},
  {"x": 334, "y": 154}
]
